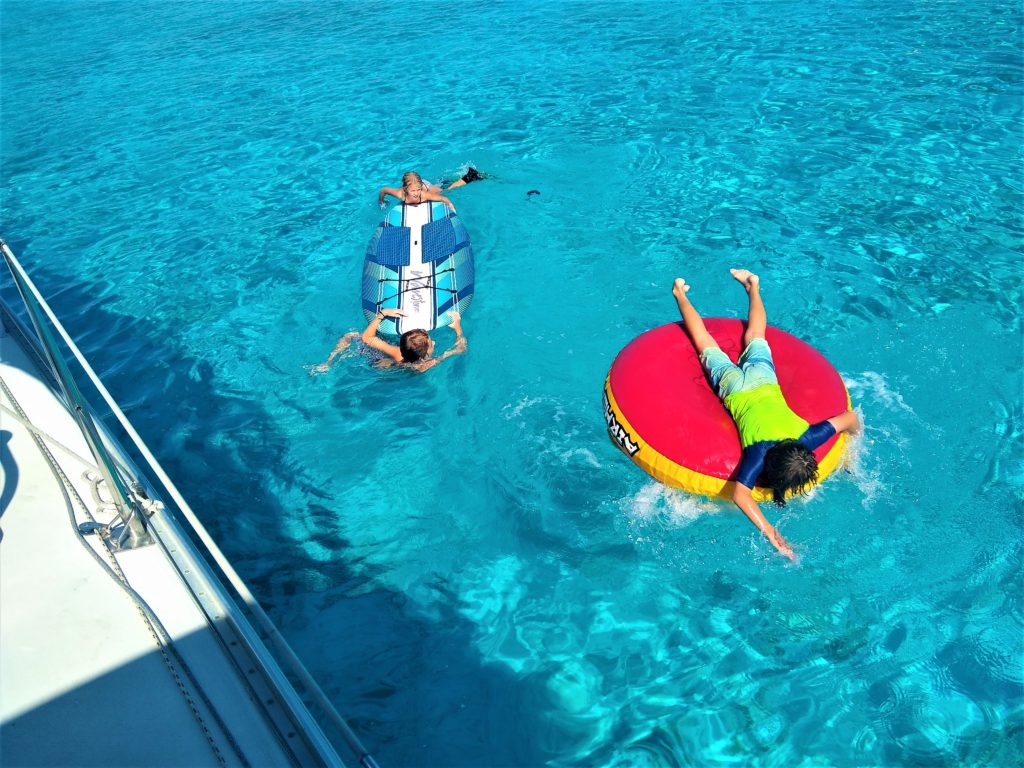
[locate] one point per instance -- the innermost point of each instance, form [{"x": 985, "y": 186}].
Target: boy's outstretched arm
[
  {"x": 455, "y": 349},
  {"x": 846, "y": 422},
  {"x": 371, "y": 339},
  {"x": 742, "y": 498}
]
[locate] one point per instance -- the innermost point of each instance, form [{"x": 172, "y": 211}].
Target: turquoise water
[{"x": 471, "y": 569}]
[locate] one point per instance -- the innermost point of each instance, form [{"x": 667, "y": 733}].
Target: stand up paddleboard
[{"x": 420, "y": 261}]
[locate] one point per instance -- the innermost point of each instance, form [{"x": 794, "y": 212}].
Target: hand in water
[{"x": 783, "y": 546}]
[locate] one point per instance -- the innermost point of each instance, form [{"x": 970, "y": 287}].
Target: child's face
[{"x": 414, "y": 192}]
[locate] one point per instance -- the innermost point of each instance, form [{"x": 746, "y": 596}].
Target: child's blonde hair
[{"x": 411, "y": 178}]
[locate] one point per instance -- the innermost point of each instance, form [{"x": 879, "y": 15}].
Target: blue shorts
[{"x": 754, "y": 368}]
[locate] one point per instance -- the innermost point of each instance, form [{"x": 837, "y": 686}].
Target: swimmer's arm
[
  {"x": 460, "y": 339},
  {"x": 385, "y": 191},
  {"x": 456, "y": 349},
  {"x": 846, "y": 422},
  {"x": 745, "y": 501},
  {"x": 371, "y": 339},
  {"x": 430, "y": 194}
]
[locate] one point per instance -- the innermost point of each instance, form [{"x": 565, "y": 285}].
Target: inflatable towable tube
[
  {"x": 663, "y": 414},
  {"x": 420, "y": 261}
]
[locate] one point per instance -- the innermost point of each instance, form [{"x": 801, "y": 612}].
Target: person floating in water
[
  {"x": 777, "y": 444},
  {"x": 413, "y": 192},
  {"x": 415, "y": 348}
]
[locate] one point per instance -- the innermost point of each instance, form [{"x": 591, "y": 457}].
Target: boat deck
[{"x": 106, "y": 658}]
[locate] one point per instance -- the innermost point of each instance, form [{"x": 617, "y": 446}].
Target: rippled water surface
[{"x": 472, "y": 570}]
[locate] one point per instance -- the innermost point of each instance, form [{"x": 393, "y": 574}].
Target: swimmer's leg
[
  {"x": 757, "y": 317},
  {"x": 471, "y": 174},
  {"x": 343, "y": 343},
  {"x": 691, "y": 318}
]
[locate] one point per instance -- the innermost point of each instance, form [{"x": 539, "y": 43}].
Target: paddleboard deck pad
[{"x": 420, "y": 261}]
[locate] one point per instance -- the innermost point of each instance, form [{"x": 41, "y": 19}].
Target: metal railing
[
  {"x": 138, "y": 530},
  {"x": 134, "y": 532}
]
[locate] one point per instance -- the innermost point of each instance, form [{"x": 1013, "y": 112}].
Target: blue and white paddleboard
[{"x": 420, "y": 261}]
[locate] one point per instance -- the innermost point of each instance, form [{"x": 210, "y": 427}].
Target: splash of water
[{"x": 660, "y": 505}]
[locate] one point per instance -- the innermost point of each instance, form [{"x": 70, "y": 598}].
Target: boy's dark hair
[
  {"x": 789, "y": 467},
  {"x": 414, "y": 345}
]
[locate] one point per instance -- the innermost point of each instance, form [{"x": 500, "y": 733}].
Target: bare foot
[
  {"x": 316, "y": 370},
  {"x": 745, "y": 277},
  {"x": 679, "y": 289}
]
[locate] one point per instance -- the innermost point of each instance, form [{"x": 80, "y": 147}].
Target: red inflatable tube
[{"x": 663, "y": 414}]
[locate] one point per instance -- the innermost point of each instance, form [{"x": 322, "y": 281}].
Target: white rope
[{"x": 54, "y": 442}]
